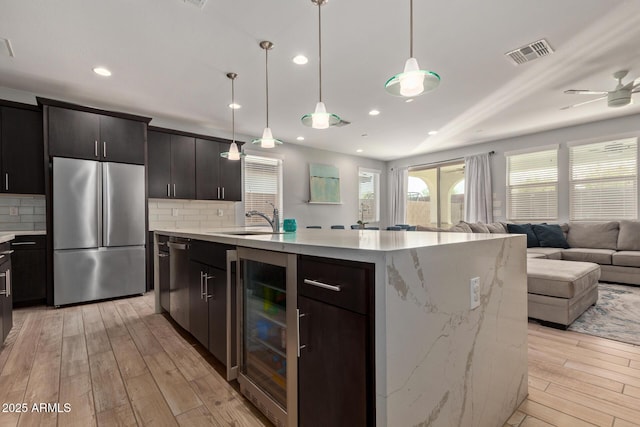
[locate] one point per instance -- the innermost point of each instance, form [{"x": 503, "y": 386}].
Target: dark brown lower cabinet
[
  {"x": 336, "y": 369},
  {"x": 29, "y": 270},
  {"x": 6, "y": 295}
]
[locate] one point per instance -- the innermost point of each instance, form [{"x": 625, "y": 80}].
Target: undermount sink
[{"x": 245, "y": 233}]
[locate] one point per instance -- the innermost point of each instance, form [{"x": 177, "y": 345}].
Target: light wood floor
[{"x": 118, "y": 363}]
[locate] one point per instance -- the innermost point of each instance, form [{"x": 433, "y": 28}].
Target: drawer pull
[
  {"x": 322, "y": 285},
  {"x": 7, "y": 252},
  {"x": 22, "y": 243}
]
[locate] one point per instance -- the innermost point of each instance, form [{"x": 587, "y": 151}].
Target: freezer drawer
[
  {"x": 76, "y": 204},
  {"x": 93, "y": 274},
  {"x": 123, "y": 204}
]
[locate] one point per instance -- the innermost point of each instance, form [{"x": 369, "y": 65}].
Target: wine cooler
[{"x": 268, "y": 343}]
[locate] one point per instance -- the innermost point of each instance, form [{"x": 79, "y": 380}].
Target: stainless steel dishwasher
[{"x": 179, "y": 280}]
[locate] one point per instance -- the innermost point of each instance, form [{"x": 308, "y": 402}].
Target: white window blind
[
  {"x": 604, "y": 180},
  {"x": 262, "y": 185},
  {"x": 532, "y": 185},
  {"x": 369, "y": 195}
]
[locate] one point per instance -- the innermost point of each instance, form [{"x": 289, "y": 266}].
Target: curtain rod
[{"x": 442, "y": 162}]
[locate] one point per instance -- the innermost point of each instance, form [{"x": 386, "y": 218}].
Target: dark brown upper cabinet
[
  {"x": 217, "y": 178},
  {"x": 22, "y": 158},
  {"x": 171, "y": 166}
]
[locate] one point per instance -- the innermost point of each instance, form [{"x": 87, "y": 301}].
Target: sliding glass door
[{"x": 436, "y": 195}]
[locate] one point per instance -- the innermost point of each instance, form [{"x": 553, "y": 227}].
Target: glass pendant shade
[
  {"x": 412, "y": 81},
  {"x": 320, "y": 119},
  {"x": 267, "y": 140},
  {"x": 233, "y": 153}
]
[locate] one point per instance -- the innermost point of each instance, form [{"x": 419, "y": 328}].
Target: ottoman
[{"x": 560, "y": 291}]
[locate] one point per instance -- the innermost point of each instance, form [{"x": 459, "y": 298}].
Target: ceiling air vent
[
  {"x": 198, "y": 3},
  {"x": 530, "y": 52}
]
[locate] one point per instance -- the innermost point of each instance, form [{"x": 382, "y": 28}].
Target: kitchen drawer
[
  {"x": 29, "y": 242},
  {"x": 209, "y": 253},
  {"x": 355, "y": 281},
  {"x": 5, "y": 251}
]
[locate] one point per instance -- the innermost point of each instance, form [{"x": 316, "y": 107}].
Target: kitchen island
[{"x": 437, "y": 361}]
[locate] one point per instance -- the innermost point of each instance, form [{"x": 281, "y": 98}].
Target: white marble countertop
[
  {"x": 6, "y": 236},
  {"x": 367, "y": 240}
]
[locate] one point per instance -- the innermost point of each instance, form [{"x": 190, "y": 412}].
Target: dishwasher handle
[{"x": 179, "y": 246}]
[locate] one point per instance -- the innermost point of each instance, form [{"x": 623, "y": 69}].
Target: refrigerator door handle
[{"x": 99, "y": 201}]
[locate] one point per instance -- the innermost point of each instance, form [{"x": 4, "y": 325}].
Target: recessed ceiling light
[
  {"x": 433, "y": 132},
  {"x": 409, "y": 100},
  {"x": 300, "y": 138},
  {"x": 359, "y": 150},
  {"x": 101, "y": 71},
  {"x": 235, "y": 106},
  {"x": 300, "y": 59},
  {"x": 374, "y": 112}
]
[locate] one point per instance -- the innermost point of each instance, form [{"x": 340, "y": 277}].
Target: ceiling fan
[{"x": 619, "y": 97}]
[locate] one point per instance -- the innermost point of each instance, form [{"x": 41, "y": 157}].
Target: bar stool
[{"x": 395, "y": 228}]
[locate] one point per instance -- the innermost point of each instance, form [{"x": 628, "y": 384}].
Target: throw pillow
[
  {"x": 427, "y": 228},
  {"x": 532, "y": 240},
  {"x": 497, "y": 227},
  {"x": 461, "y": 227},
  {"x": 550, "y": 236},
  {"x": 477, "y": 227},
  {"x": 629, "y": 236},
  {"x": 593, "y": 235}
]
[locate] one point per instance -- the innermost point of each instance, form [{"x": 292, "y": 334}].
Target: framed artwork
[{"x": 324, "y": 184}]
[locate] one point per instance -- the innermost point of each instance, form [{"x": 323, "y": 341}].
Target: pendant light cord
[
  {"x": 233, "y": 113},
  {"x": 266, "y": 72},
  {"x": 320, "y": 48},
  {"x": 410, "y": 28}
]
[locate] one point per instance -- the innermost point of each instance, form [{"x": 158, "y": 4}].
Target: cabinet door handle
[
  {"x": 6, "y": 181},
  {"x": 7, "y": 252},
  {"x": 335, "y": 288},
  {"x": 22, "y": 243},
  {"x": 163, "y": 255},
  {"x": 206, "y": 286},
  {"x": 95, "y": 148},
  {"x": 7, "y": 281},
  {"x": 298, "y": 316},
  {"x": 168, "y": 190},
  {"x": 174, "y": 190},
  {"x": 104, "y": 149},
  {"x": 201, "y": 285},
  {"x": 222, "y": 193},
  {"x": 218, "y": 192}
]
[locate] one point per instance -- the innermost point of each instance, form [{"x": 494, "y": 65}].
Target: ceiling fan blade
[
  {"x": 585, "y": 92},
  {"x": 583, "y": 103},
  {"x": 632, "y": 84}
]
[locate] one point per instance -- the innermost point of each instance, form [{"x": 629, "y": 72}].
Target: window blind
[
  {"x": 604, "y": 180},
  {"x": 532, "y": 185},
  {"x": 262, "y": 185}
]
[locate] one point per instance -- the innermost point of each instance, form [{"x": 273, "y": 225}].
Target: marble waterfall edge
[{"x": 447, "y": 365}]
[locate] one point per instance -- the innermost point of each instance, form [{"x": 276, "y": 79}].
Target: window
[
  {"x": 369, "y": 195},
  {"x": 435, "y": 195},
  {"x": 604, "y": 180},
  {"x": 262, "y": 185},
  {"x": 532, "y": 185}
]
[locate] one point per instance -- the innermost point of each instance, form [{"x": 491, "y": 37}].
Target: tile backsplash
[
  {"x": 190, "y": 214},
  {"x": 22, "y": 213}
]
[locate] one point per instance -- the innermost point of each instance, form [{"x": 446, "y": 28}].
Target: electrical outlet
[
  {"x": 220, "y": 212},
  {"x": 13, "y": 211},
  {"x": 474, "y": 292},
  {"x": 174, "y": 212}
]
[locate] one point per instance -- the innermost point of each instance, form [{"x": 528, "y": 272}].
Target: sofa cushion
[
  {"x": 599, "y": 256},
  {"x": 629, "y": 236},
  {"x": 550, "y": 236},
  {"x": 532, "y": 240},
  {"x": 626, "y": 258},
  {"x": 497, "y": 227},
  {"x": 535, "y": 255},
  {"x": 477, "y": 227},
  {"x": 427, "y": 228},
  {"x": 595, "y": 235},
  {"x": 461, "y": 227},
  {"x": 550, "y": 253},
  {"x": 560, "y": 279}
]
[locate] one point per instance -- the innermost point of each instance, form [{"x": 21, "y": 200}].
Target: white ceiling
[{"x": 169, "y": 61}]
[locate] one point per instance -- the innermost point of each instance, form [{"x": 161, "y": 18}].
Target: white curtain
[
  {"x": 399, "y": 179},
  {"x": 478, "y": 206}
]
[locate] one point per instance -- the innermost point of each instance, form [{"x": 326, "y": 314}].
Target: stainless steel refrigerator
[{"x": 98, "y": 230}]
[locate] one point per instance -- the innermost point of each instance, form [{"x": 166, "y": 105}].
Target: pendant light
[
  {"x": 320, "y": 119},
  {"x": 412, "y": 81},
  {"x": 267, "y": 140},
  {"x": 233, "y": 153}
]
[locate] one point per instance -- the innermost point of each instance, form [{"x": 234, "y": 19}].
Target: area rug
[{"x": 615, "y": 316}]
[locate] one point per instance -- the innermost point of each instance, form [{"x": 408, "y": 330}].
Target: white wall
[
  {"x": 296, "y": 159},
  {"x": 594, "y": 131}
]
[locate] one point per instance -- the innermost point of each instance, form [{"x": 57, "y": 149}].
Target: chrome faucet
[{"x": 274, "y": 222}]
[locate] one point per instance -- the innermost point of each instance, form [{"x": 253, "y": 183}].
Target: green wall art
[{"x": 324, "y": 184}]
